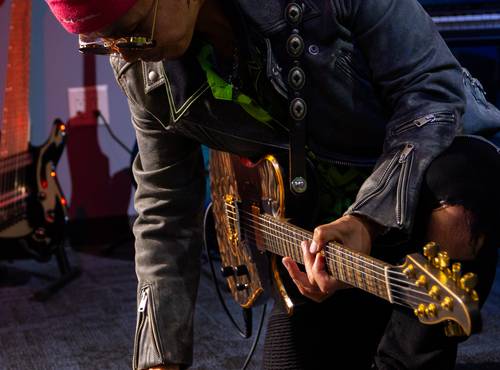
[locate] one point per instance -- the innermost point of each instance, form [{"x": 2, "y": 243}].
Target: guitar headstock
[{"x": 439, "y": 292}]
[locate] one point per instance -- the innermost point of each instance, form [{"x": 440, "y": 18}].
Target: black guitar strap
[{"x": 297, "y": 106}]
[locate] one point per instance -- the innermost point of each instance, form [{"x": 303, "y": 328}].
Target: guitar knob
[
  {"x": 241, "y": 270},
  {"x": 241, "y": 286},
  {"x": 456, "y": 270},
  {"x": 227, "y": 271},
  {"x": 40, "y": 233},
  {"x": 430, "y": 250},
  {"x": 444, "y": 260},
  {"x": 42, "y": 195},
  {"x": 50, "y": 216},
  {"x": 468, "y": 281}
]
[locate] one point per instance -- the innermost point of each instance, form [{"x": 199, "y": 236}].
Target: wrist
[{"x": 373, "y": 228}]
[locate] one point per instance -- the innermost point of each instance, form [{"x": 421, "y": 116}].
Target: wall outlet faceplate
[{"x": 89, "y": 98}]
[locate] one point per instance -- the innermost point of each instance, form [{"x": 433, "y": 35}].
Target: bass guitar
[{"x": 250, "y": 208}]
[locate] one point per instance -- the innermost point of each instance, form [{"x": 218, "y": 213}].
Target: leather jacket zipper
[
  {"x": 422, "y": 121},
  {"x": 140, "y": 325},
  {"x": 145, "y": 313},
  {"x": 348, "y": 162},
  {"x": 386, "y": 175},
  {"x": 406, "y": 160},
  {"x": 152, "y": 324}
]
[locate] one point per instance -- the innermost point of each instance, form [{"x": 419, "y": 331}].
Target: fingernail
[
  {"x": 313, "y": 247},
  {"x": 284, "y": 262}
]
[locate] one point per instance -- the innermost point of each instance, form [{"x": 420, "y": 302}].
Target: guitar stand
[{"x": 68, "y": 274}]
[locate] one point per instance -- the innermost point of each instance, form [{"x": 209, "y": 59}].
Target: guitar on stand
[{"x": 33, "y": 211}]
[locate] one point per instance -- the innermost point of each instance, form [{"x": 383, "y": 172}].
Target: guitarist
[{"x": 376, "y": 85}]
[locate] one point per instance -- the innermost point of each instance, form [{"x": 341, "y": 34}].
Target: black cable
[
  {"x": 247, "y": 312},
  {"x": 98, "y": 114},
  {"x": 257, "y": 337},
  {"x": 247, "y": 315}
]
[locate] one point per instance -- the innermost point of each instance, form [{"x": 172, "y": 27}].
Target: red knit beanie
[{"x": 84, "y": 16}]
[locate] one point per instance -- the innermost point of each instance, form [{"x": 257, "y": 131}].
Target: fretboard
[
  {"x": 284, "y": 239},
  {"x": 14, "y": 135}
]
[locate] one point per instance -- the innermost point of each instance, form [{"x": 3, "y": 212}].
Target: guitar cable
[
  {"x": 247, "y": 312},
  {"x": 98, "y": 114}
]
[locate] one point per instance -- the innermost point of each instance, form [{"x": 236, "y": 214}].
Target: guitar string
[
  {"x": 349, "y": 260},
  {"x": 335, "y": 256},
  {"x": 267, "y": 220},
  {"x": 398, "y": 288},
  {"x": 350, "y": 256},
  {"x": 365, "y": 261},
  {"x": 305, "y": 236},
  {"x": 392, "y": 282}
]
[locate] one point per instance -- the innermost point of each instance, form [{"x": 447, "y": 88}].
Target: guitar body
[
  {"x": 32, "y": 207},
  {"x": 254, "y": 188}
]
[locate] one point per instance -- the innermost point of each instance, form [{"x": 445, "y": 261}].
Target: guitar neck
[
  {"x": 14, "y": 136},
  {"x": 358, "y": 270}
]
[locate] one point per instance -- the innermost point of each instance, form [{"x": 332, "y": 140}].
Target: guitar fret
[{"x": 345, "y": 265}]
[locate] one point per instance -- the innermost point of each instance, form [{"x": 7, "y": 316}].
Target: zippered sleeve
[
  {"x": 420, "y": 83},
  {"x": 170, "y": 177}
]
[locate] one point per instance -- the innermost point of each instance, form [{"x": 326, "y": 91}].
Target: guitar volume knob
[
  {"x": 241, "y": 270},
  {"x": 241, "y": 286},
  {"x": 227, "y": 271}
]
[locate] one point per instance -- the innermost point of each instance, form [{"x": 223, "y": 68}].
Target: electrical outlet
[{"x": 89, "y": 98}]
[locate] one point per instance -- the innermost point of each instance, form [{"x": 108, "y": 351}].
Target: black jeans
[{"x": 354, "y": 330}]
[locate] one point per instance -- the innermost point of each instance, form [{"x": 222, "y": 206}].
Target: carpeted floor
[{"x": 89, "y": 324}]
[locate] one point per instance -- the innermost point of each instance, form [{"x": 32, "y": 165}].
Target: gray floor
[{"x": 89, "y": 324}]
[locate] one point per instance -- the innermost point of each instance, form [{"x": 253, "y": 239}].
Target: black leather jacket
[{"x": 381, "y": 87}]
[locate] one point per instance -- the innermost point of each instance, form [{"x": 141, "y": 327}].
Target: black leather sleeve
[{"x": 421, "y": 84}]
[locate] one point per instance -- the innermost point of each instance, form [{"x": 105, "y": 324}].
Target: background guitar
[{"x": 32, "y": 207}]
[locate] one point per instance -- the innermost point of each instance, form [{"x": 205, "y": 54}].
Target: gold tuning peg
[
  {"x": 409, "y": 270},
  {"x": 444, "y": 260},
  {"x": 431, "y": 310},
  {"x": 452, "y": 329},
  {"x": 434, "y": 292},
  {"x": 468, "y": 281},
  {"x": 456, "y": 271},
  {"x": 447, "y": 303},
  {"x": 421, "y": 281},
  {"x": 474, "y": 295},
  {"x": 430, "y": 250},
  {"x": 420, "y": 311}
]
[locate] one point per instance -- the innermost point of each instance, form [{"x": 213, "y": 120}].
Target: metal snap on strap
[
  {"x": 298, "y": 109},
  {"x": 295, "y": 45},
  {"x": 297, "y": 78},
  {"x": 293, "y": 13}
]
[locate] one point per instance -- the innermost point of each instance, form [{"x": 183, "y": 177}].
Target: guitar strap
[{"x": 297, "y": 105}]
